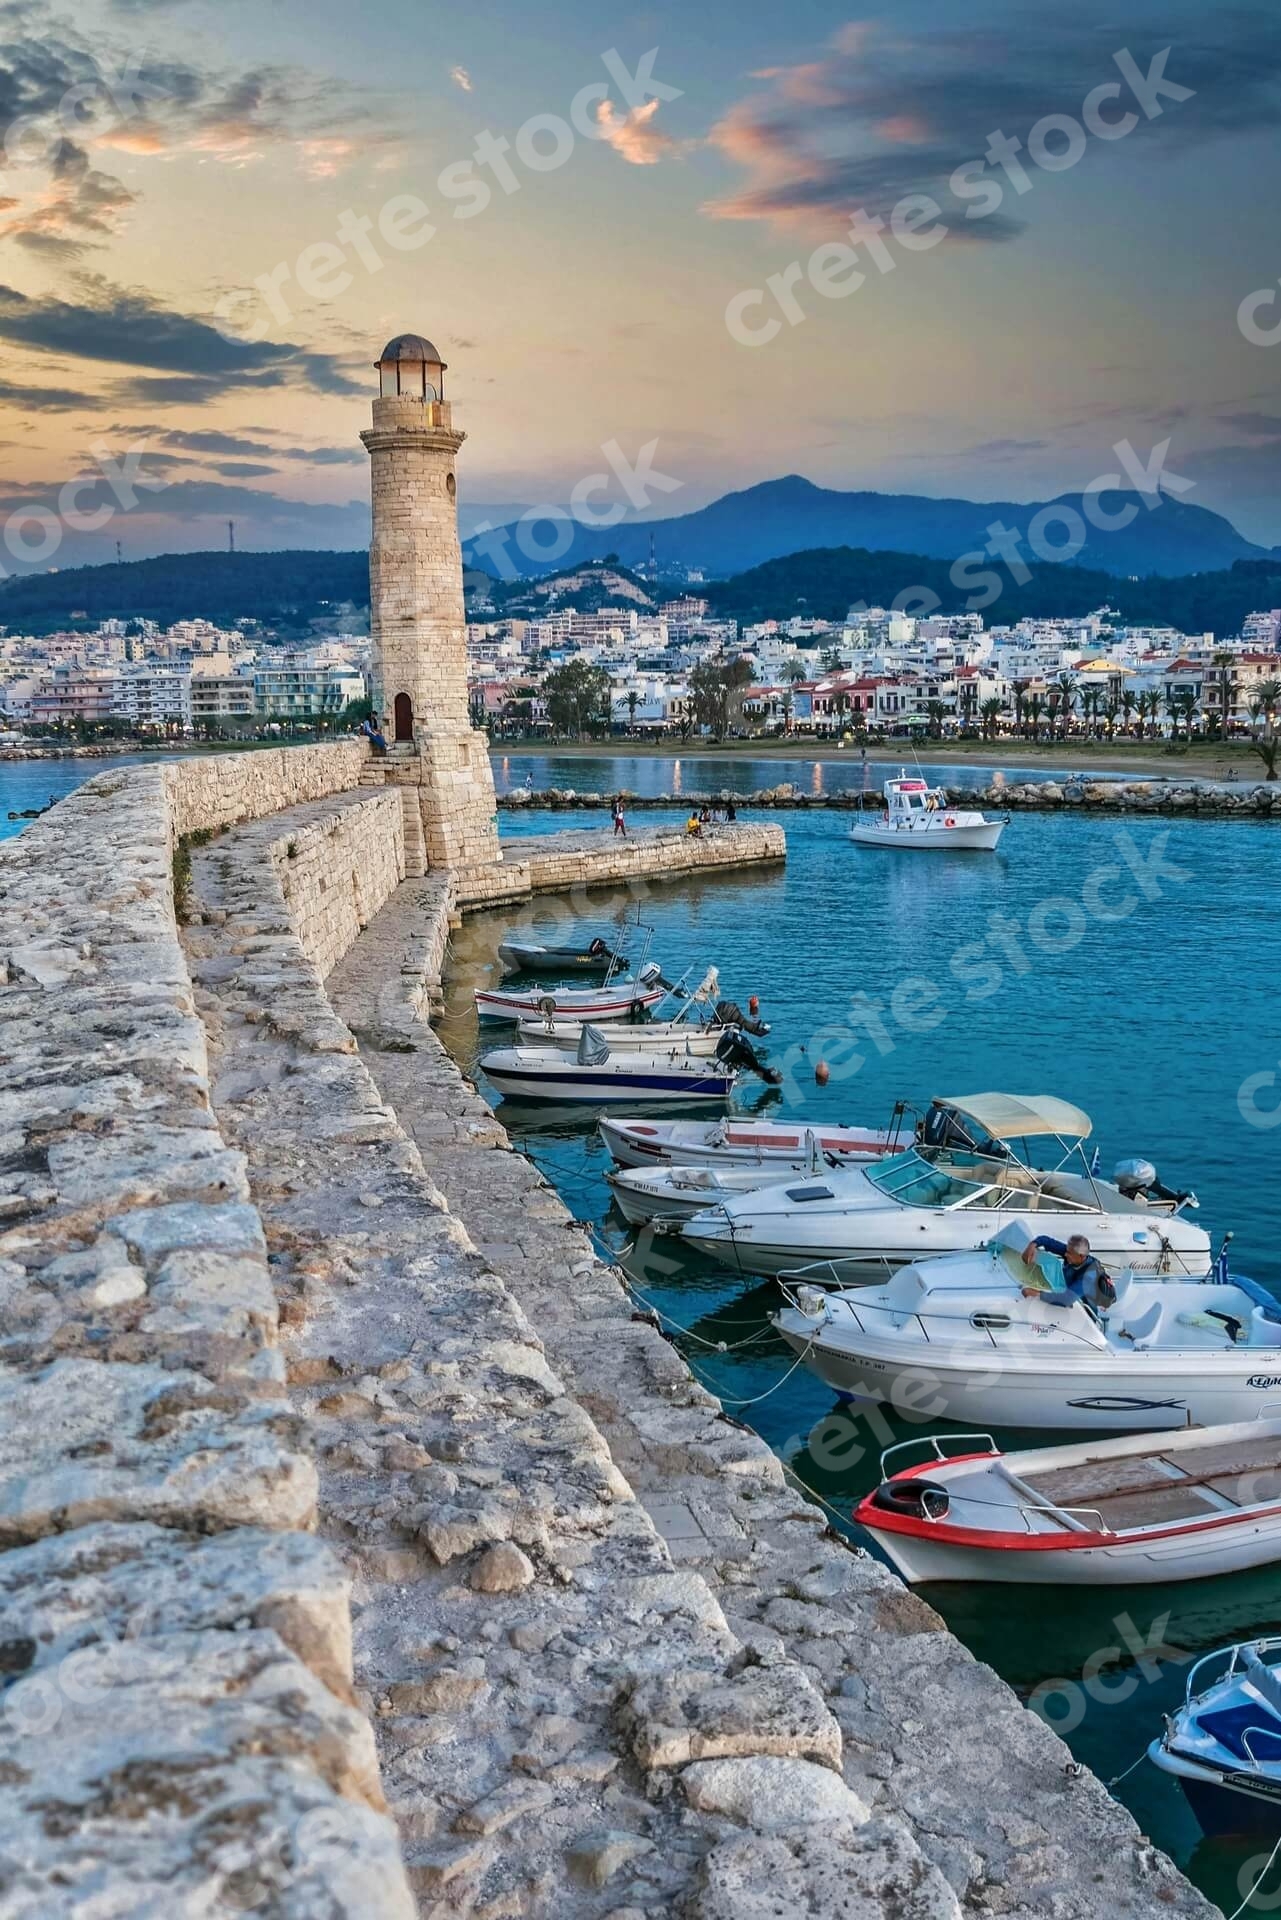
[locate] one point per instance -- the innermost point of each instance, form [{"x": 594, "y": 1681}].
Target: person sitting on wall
[
  {"x": 694, "y": 825},
  {"x": 376, "y": 739}
]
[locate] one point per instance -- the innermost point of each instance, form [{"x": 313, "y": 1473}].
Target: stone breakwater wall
[
  {"x": 335, "y": 872},
  {"x": 226, "y": 789},
  {"x": 180, "y": 1733},
  {"x": 1044, "y": 796}
]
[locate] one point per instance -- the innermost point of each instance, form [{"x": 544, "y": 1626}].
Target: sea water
[{"x": 1123, "y": 964}]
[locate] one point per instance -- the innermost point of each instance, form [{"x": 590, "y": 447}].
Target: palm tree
[
  {"x": 633, "y": 701},
  {"x": 1052, "y": 709},
  {"x": 1066, "y": 686},
  {"x": 1034, "y": 704},
  {"x": 1019, "y": 698},
  {"x": 936, "y": 714},
  {"x": 1110, "y": 712},
  {"x": 1266, "y": 744},
  {"x": 787, "y": 703},
  {"x": 1224, "y": 665},
  {"x": 990, "y": 713},
  {"x": 1181, "y": 705},
  {"x": 1128, "y": 698}
]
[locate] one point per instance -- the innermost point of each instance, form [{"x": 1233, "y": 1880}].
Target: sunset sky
[{"x": 164, "y": 156}]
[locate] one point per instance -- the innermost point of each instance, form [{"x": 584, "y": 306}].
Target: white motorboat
[
  {"x": 1223, "y": 1746},
  {"x": 1200, "y": 1502},
  {"x": 917, "y": 818},
  {"x": 954, "y": 1195},
  {"x": 596, "y": 958},
  {"x": 960, "y": 1334},
  {"x": 624, "y": 1000},
  {"x": 598, "y": 1074},
  {"x": 768, "y": 1144},
  {"x": 656, "y": 1036}
]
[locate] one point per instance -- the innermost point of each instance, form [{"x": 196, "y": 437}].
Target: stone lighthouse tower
[{"x": 416, "y": 604}]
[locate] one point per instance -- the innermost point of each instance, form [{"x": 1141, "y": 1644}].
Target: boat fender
[
  {"x": 950, "y": 821},
  {"x": 919, "y": 1499}
]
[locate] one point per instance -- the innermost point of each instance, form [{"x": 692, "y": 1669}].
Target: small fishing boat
[
  {"x": 673, "y": 1194},
  {"x": 917, "y": 818},
  {"x": 773, "y": 1145},
  {"x": 953, "y": 1190},
  {"x": 597, "y": 959},
  {"x": 624, "y": 1000},
  {"x": 1223, "y": 1746},
  {"x": 1193, "y": 1504},
  {"x": 963, "y": 1332},
  {"x": 597, "y": 1074}
]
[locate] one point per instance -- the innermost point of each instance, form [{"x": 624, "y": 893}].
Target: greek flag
[
  {"x": 1222, "y": 1278},
  {"x": 1094, "y": 1164}
]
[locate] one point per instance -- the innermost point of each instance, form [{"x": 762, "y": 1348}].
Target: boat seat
[
  {"x": 1265, "y": 1330},
  {"x": 1145, "y": 1325}
]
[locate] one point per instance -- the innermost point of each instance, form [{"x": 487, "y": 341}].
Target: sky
[{"x": 666, "y": 253}]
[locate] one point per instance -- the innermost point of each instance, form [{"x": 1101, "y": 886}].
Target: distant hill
[
  {"x": 792, "y": 515},
  {"x": 295, "y": 594},
  {"x": 827, "y": 582}
]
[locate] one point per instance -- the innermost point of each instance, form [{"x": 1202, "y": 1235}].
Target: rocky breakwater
[
  {"x": 179, "y": 1734},
  {"x": 1043, "y": 796}
]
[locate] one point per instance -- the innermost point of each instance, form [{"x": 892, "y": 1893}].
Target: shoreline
[
  {"x": 1093, "y": 757},
  {"x": 1259, "y": 801}
]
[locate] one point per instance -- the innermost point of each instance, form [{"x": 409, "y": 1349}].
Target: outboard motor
[
  {"x": 733, "y": 1050},
  {"x": 1137, "y": 1180},
  {"x": 730, "y": 1014},
  {"x": 593, "y": 1047}
]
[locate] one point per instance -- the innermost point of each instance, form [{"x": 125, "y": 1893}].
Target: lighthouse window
[{"x": 451, "y": 485}]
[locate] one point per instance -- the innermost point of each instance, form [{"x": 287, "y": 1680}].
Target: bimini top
[{"x": 1021, "y": 1116}]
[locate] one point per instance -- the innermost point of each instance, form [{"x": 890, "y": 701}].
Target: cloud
[
  {"x": 77, "y": 206},
  {"x": 187, "y": 359},
  {"x": 34, "y": 399},
  {"x": 633, "y": 134},
  {"x": 461, "y": 78},
  {"x": 1000, "y": 449},
  {"x": 210, "y": 440},
  {"x": 889, "y": 111}
]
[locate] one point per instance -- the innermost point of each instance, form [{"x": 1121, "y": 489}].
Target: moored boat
[
  {"x": 970, "y": 1332},
  {"x": 596, "y": 959},
  {"x": 1223, "y": 1746},
  {"x": 599, "y": 1074},
  {"x": 769, "y": 1144},
  {"x": 952, "y": 1191},
  {"x": 1187, "y": 1506},
  {"x": 917, "y": 818},
  {"x": 672, "y": 1194},
  {"x": 624, "y": 1000}
]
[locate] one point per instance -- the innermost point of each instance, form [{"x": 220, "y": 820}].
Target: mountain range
[{"x": 1164, "y": 535}]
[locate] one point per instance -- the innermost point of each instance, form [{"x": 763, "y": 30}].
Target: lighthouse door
[{"x": 404, "y": 711}]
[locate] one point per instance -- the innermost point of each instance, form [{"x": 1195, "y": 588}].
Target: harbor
[{"x": 1087, "y": 958}]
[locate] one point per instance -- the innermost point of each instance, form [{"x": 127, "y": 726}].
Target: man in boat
[{"x": 1084, "y": 1277}]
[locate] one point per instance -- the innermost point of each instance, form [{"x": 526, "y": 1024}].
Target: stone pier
[{"x": 361, "y": 1553}]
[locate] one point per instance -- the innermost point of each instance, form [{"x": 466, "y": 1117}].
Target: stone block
[{"x": 696, "y": 1715}]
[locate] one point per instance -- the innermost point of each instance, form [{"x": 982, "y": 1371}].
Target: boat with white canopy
[
  {"x": 953, "y": 1190},
  {"x": 917, "y": 818},
  {"x": 1186, "y": 1506},
  {"x": 1223, "y": 1746},
  {"x": 962, "y": 1332}
]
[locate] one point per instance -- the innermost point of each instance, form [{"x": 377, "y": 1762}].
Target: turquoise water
[
  {"x": 1150, "y": 1021},
  {"x": 33, "y": 783}
]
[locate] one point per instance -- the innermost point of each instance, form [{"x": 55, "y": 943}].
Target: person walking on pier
[{"x": 620, "y": 824}]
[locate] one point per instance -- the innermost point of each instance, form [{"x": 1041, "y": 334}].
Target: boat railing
[
  {"x": 937, "y": 1444},
  {"x": 973, "y": 1322},
  {"x": 1232, "y": 1655}
]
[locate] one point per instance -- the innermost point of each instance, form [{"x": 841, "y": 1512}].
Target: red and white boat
[
  {"x": 1176, "y": 1506},
  {"x": 740, "y": 1143}
]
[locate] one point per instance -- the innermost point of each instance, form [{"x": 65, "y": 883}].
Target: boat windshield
[{"x": 915, "y": 1181}]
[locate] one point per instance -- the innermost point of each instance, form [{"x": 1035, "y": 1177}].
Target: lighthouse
[{"x": 418, "y": 620}]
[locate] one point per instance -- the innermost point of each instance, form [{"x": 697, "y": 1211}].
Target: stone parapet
[{"x": 179, "y": 1734}]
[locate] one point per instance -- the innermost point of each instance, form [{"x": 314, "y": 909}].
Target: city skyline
[{"x": 213, "y": 219}]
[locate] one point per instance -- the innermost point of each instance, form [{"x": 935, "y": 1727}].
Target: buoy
[
  {"x": 822, "y": 1073},
  {"x": 753, "y": 1006}
]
